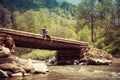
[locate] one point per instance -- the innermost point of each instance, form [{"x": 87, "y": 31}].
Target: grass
[{"x": 39, "y": 54}]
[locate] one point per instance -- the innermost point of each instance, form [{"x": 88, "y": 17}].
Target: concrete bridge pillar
[{"x": 68, "y": 56}]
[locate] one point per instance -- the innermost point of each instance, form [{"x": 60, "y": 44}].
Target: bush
[
  {"x": 39, "y": 54},
  {"x": 85, "y": 34}
]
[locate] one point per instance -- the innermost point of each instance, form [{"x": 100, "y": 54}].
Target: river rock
[
  {"x": 4, "y": 52},
  {"x": 7, "y": 60},
  {"x": 17, "y": 74},
  {"x": 52, "y": 61},
  {"x": 33, "y": 66},
  {"x": 18, "y": 69},
  {"x": 28, "y": 65},
  {"x": 39, "y": 68},
  {"x": 96, "y": 56},
  {"x": 3, "y": 74},
  {"x": 96, "y": 61},
  {"x": 8, "y": 66}
]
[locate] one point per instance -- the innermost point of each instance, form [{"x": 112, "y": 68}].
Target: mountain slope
[{"x": 70, "y": 1}]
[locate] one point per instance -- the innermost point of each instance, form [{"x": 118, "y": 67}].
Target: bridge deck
[{"x": 32, "y": 40}]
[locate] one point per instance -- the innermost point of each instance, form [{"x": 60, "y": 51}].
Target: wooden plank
[{"x": 28, "y": 34}]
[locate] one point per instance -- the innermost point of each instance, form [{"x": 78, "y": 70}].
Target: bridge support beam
[{"x": 68, "y": 56}]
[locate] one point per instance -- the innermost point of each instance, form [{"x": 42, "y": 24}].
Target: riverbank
[
  {"x": 78, "y": 72},
  {"x": 14, "y": 66},
  {"x": 116, "y": 60}
]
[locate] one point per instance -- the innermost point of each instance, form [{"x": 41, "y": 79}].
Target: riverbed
[{"x": 77, "y": 72}]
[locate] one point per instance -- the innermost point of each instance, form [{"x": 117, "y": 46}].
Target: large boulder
[
  {"x": 28, "y": 65},
  {"x": 33, "y": 66},
  {"x": 7, "y": 41},
  {"x": 4, "y": 52},
  {"x": 96, "y": 56},
  {"x": 7, "y": 60},
  {"x": 18, "y": 69},
  {"x": 96, "y": 61},
  {"x": 8, "y": 66}
]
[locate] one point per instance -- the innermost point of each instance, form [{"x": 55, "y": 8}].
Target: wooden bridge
[{"x": 66, "y": 49}]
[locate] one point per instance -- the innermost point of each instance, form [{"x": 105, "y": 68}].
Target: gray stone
[
  {"x": 39, "y": 68},
  {"x": 35, "y": 66},
  {"x": 3, "y": 74},
  {"x": 8, "y": 66},
  {"x": 18, "y": 69},
  {"x": 4, "y": 52},
  {"x": 17, "y": 74},
  {"x": 97, "y": 61},
  {"x": 6, "y": 60}
]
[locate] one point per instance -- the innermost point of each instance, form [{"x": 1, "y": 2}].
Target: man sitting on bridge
[{"x": 44, "y": 33}]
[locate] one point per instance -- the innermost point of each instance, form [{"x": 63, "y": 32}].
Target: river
[{"x": 76, "y": 72}]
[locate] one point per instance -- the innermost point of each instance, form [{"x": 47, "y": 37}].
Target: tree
[
  {"x": 5, "y": 17},
  {"x": 85, "y": 34},
  {"x": 92, "y": 20},
  {"x": 85, "y": 12},
  {"x": 117, "y": 6}
]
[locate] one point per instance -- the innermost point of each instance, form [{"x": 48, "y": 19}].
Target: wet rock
[
  {"x": 33, "y": 66},
  {"x": 52, "y": 61},
  {"x": 95, "y": 61},
  {"x": 28, "y": 65},
  {"x": 3, "y": 74},
  {"x": 17, "y": 74},
  {"x": 39, "y": 68},
  {"x": 20, "y": 61},
  {"x": 76, "y": 62}
]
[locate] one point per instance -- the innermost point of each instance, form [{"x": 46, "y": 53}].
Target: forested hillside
[
  {"x": 31, "y": 15},
  {"x": 95, "y": 21},
  {"x": 102, "y": 18}
]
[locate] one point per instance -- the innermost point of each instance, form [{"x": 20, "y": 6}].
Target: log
[{"x": 27, "y": 39}]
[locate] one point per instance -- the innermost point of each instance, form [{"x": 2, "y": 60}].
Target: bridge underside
[{"x": 68, "y": 56}]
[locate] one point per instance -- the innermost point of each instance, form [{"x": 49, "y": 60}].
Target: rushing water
[{"x": 77, "y": 72}]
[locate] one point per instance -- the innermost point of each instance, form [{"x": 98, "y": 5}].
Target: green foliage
[
  {"x": 22, "y": 51},
  {"x": 100, "y": 43},
  {"x": 101, "y": 17},
  {"x": 70, "y": 33},
  {"x": 85, "y": 34},
  {"x": 5, "y": 17},
  {"x": 31, "y": 18},
  {"x": 39, "y": 54},
  {"x": 110, "y": 43},
  {"x": 59, "y": 17},
  {"x": 93, "y": 53}
]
